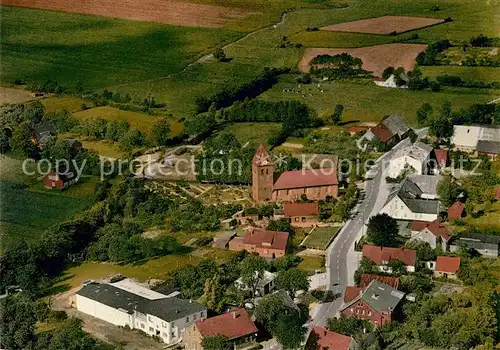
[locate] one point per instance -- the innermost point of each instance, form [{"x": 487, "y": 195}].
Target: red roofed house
[
  {"x": 302, "y": 214},
  {"x": 447, "y": 267},
  {"x": 382, "y": 255},
  {"x": 351, "y": 293},
  {"x": 353, "y": 130},
  {"x": 497, "y": 193},
  {"x": 320, "y": 338},
  {"x": 441, "y": 157},
  {"x": 456, "y": 210},
  {"x": 268, "y": 244},
  {"x": 236, "y": 326},
  {"x": 434, "y": 233},
  {"x": 316, "y": 184}
]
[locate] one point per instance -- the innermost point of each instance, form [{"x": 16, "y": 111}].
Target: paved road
[{"x": 341, "y": 259}]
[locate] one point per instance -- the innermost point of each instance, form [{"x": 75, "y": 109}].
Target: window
[
  {"x": 194, "y": 317},
  {"x": 173, "y": 334},
  {"x": 151, "y": 329},
  {"x": 369, "y": 313},
  {"x": 142, "y": 325},
  {"x": 149, "y": 319},
  {"x": 262, "y": 171},
  {"x": 173, "y": 325},
  {"x": 303, "y": 219},
  {"x": 187, "y": 319},
  {"x": 164, "y": 325},
  {"x": 201, "y": 315},
  {"x": 267, "y": 171},
  {"x": 165, "y": 335}
]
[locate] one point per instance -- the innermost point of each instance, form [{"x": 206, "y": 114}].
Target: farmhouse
[
  {"x": 125, "y": 304},
  {"x": 447, "y": 267},
  {"x": 391, "y": 82},
  {"x": 434, "y": 233},
  {"x": 382, "y": 255},
  {"x": 268, "y": 244},
  {"x": 441, "y": 157},
  {"x": 316, "y": 184},
  {"x": 486, "y": 245},
  {"x": 477, "y": 139},
  {"x": 43, "y": 133},
  {"x": 301, "y": 214},
  {"x": 389, "y": 131},
  {"x": 379, "y": 304},
  {"x": 414, "y": 200},
  {"x": 416, "y": 157},
  {"x": 236, "y": 326},
  {"x": 60, "y": 180},
  {"x": 321, "y": 338}
]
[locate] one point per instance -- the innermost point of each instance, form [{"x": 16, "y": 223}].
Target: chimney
[{"x": 234, "y": 314}]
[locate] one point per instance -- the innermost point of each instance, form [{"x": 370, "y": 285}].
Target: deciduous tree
[{"x": 382, "y": 230}]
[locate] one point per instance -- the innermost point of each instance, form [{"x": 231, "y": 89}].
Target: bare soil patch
[
  {"x": 163, "y": 11},
  {"x": 384, "y": 25},
  {"x": 375, "y": 58},
  {"x": 11, "y": 95}
]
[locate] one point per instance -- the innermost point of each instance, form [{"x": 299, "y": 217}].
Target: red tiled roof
[
  {"x": 435, "y": 227},
  {"x": 382, "y": 132},
  {"x": 357, "y": 129},
  {"x": 266, "y": 239},
  {"x": 380, "y": 254},
  {"x": 233, "y": 325},
  {"x": 307, "y": 178},
  {"x": 389, "y": 280},
  {"x": 497, "y": 193},
  {"x": 330, "y": 340},
  {"x": 447, "y": 264},
  {"x": 352, "y": 293},
  {"x": 261, "y": 157},
  {"x": 301, "y": 209},
  {"x": 456, "y": 210},
  {"x": 441, "y": 155}
]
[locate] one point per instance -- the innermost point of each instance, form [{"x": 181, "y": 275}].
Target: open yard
[
  {"x": 384, "y": 25},
  {"x": 375, "y": 58},
  {"x": 14, "y": 95},
  {"x": 255, "y": 133},
  {"x": 366, "y": 102},
  {"x": 59, "y": 103},
  {"x": 320, "y": 237}
]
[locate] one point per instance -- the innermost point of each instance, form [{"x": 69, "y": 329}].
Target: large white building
[
  {"x": 414, "y": 199},
  {"x": 127, "y": 304},
  {"x": 416, "y": 156},
  {"x": 478, "y": 139}
]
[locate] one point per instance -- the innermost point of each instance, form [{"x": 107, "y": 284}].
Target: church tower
[{"x": 262, "y": 175}]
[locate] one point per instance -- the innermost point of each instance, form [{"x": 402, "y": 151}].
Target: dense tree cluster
[
  {"x": 227, "y": 96},
  {"x": 382, "y": 230},
  {"x": 337, "y": 66},
  {"x": 457, "y": 81},
  {"x": 429, "y": 56}
]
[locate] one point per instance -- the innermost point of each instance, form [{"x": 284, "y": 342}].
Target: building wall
[
  {"x": 303, "y": 221},
  {"x": 269, "y": 252},
  {"x": 491, "y": 253},
  {"x": 362, "y": 310},
  {"x": 427, "y": 236},
  {"x": 312, "y": 193},
  {"x": 387, "y": 269},
  {"x": 104, "y": 312},
  {"x": 262, "y": 182},
  {"x": 52, "y": 181},
  {"x": 397, "y": 165},
  {"x": 398, "y": 210},
  {"x": 449, "y": 275}
]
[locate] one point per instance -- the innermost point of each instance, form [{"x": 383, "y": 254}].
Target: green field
[
  {"x": 27, "y": 209},
  {"x": 468, "y": 74},
  {"x": 364, "y": 101},
  {"x": 59, "y": 103},
  {"x": 456, "y": 55},
  {"x": 255, "y": 133},
  {"x": 320, "y": 237},
  {"x": 140, "y": 121},
  {"x": 39, "y": 45}
]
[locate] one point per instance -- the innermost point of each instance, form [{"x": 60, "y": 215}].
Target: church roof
[{"x": 307, "y": 178}]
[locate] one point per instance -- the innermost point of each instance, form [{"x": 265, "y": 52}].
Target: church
[{"x": 316, "y": 184}]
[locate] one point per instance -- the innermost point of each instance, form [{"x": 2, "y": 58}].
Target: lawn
[
  {"x": 366, "y": 102},
  {"x": 255, "y": 133},
  {"x": 311, "y": 264},
  {"x": 468, "y": 74},
  {"x": 140, "y": 121},
  {"x": 54, "y": 104},
  {"x": 321, "y": 237},
  {"x": 38, "y": 45}
]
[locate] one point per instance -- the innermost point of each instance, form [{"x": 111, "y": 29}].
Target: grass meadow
[
  {"x": 468, "y": 74},
  {"x": 255, "y": 133},
  {"x": 366, "y": 102},
  {"x": 28, "y": 209}
]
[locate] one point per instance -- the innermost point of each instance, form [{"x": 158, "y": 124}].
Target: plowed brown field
[
  {"x": 163, "y": 11},
  {"x": 375, "y": 58},
  {"x": 384, "y": 25}
]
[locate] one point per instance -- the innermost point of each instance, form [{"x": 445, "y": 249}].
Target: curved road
[{"x": 341, "y": 259}]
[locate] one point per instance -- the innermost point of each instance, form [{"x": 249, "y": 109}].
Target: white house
[
  {"x": 416, "y": 156},
  {"x": 408, "y": 201},
  {"x": 391, "y": 82},
  {"x": 126, "y": 305},
  {"x": 477, "y": 139},
  {"x": 265, "y": 285},
  {"x": 434, "y": 233}
]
